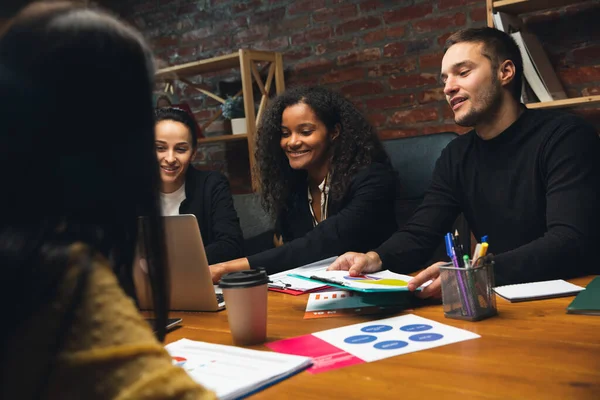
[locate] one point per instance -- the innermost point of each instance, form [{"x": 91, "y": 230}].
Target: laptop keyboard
[{"x": 220, "y": 298}]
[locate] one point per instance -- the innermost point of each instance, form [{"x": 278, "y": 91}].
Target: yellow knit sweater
[{"x": 110, "y": 351}]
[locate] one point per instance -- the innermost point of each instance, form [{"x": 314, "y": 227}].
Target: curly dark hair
[{"x": 356, "y": 146}]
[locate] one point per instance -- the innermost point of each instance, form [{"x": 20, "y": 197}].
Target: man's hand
[
  {"x": 357, "y": 263},
  {"x": 434, "y": 289}
]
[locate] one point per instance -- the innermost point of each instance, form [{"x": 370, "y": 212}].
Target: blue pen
[
  {"x": 461, "y": 283},
  {"x": 484, "y": 239}
]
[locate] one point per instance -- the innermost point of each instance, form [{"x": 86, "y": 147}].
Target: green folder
[{"x": 587, "y": 301}]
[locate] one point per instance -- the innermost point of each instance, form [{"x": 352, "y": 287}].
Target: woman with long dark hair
[
  {"x": 326, "y": 177},
  {"x": 78, "y": 168}
]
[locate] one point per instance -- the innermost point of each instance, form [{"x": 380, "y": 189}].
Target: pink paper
[{"x": 325, "y": 356}]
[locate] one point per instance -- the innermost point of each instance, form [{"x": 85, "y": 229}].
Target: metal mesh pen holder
[{"x": 467, "y": 293}]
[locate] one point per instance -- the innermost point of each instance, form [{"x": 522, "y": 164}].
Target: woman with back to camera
[
  {"x": 325, "y": 175},
  {"x": 186, "y": 190},
  {"x": 79, "y": 176}
]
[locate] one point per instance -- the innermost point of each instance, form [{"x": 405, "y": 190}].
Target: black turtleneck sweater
[{"x": 533, "y": 190}]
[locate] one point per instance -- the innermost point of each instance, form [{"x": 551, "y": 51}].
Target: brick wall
[{"x": 383, "y": 54}]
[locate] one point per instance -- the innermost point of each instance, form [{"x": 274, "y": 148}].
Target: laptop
[{"x": 191, "y": 283}]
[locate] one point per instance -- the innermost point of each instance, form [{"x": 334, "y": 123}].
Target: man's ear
[
  {"x": 336, "y": 131},
  {"x": 506, "y": 72}
]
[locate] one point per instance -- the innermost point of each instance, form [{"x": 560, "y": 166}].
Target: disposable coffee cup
[{"x": 245, "y": 295}]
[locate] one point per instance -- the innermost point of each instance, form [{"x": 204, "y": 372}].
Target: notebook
[
  {"x": 537, "y": 290},
  {"x": 383, "y": 281},
  {"x": 234, "y": 372},
  {"x": 588, "y": 301}
]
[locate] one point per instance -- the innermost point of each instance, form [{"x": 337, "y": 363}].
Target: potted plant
[{"x": 233, "y": 109}]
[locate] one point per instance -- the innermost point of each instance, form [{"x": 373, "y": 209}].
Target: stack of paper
[
  {"x": 537, "y": 290},
  {"x": 233, "y": 372},
  {"x": 283, "y": 282}
]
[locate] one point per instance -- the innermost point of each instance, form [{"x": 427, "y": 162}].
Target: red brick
[
  {"x": 377, "y": 36},
  {"x": 377, "y": 120},
  {"x": 431, "y": 95},
  {"x": 455, "y": 3},
  {"x": 399, "y": 66},
  {"x": 392, "y": 101},
  {"x": 297, "y": 54},
  {"x": 285, "y": 26},
  {"x": 197, "y": 34},
  {"x": 591, "y": 91},
  {"x": 352, "y": 74},
  {"x": 333, "y": 46},
  {"x": 315, "y": 34},
  {"x": 542, "y": 18},
  {"x": 357, "y": 25},
  {"x": 252, "y": 34},
  {"x": 411, "y": 13},
  {"x": 239, "y": 7},
  {"x": 296, "y": 80},
  {"x": 408, "y": 117},
  {"x": 165, "y": 41},
  {"x": 303, "y": 6},
  {"x": 427, "y": 130},
  {"x": 312, "y": 66},
  {"x": 394, "y": 49},
  {"x": 230, "y": 24},
  {"x": 580, "y": 75},
  {"x": 397, "y": 133},
  {"x": 359, "y": 56},
  {"x": 587, "y": 55},
  {"x": 447, "y": 114},
  {"x": 334, "y": 14},
  {"x": 440, "y": 23},
  {"x": 217, "y": 42},
  {"x": 442, "y": 39},
  {"x": 279, "y": 43},
  {"x": 370, "y": 5},
  {"x": 216, "y": 126},
  {"x": 362, "y": 89},
  {"x": 478, "y": 14},
  {"x": 410, "y": 81},
  {"x": 267, "y": 17},
  {"x": 431, "y": 61}
]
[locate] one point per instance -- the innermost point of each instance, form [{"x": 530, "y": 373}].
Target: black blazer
[
  {"x": 361, "y": 221},
  {"x": 208, "y": 197}
]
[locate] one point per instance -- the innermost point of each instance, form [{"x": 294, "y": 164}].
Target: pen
[
  {"x": 461, "y": 283},
  {"x": 484, "y": 248},
  {"x": 276, "y": 286}
]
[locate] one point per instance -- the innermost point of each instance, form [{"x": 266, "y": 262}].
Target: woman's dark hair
[
  {"x": 179, "y": 115},
  {"x": 356, "y": 146},
  {"x": 74, "y": 171}
]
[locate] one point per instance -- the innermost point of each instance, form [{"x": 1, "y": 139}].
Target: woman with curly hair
[{"x": 325, "y": 175}]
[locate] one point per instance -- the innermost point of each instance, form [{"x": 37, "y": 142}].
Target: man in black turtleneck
[{"x": 528, "y": 179}]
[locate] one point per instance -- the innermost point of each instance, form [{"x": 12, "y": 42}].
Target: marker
[
  {"x": 484, "y": 249},
  {"x": 484, "y": 239},
  {"x": 476, "y": 252},
  {"x": 466, "y": 261}
]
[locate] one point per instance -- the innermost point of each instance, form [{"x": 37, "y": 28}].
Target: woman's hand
[{"x": 220, "y": 269}]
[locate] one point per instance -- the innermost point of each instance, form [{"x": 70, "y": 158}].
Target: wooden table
[{"x": 531, "y": 350}]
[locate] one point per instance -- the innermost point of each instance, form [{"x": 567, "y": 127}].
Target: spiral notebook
[{"x": 537, "y": 290}]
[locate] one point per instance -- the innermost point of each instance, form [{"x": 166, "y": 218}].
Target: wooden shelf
[
  {"x": 213, "y": 64},
  {"x": 526, "y": 6},
  {"x": 223, "y": 138},
  {"x": 574, "y": 102}
]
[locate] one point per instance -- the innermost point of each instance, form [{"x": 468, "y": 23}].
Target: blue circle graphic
[
  {"x": 376, "y": 328},
  {"x": 415, "y": 328},
  {"x": 360, "y": 339},
  {"x": 426, "y": 337},
  {"x": 390, "y": 345}
]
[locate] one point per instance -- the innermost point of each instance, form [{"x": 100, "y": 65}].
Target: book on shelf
[
  {"x": 537, "y": 69},
  {"x": 234, "y": 372}
]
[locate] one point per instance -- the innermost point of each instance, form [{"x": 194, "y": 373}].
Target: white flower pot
[{"x": 238, "y": 126}]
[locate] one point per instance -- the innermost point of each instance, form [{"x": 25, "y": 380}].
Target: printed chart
[
  {"x": 338, "y": 303},
  {"x": 371, "y": 341}
]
